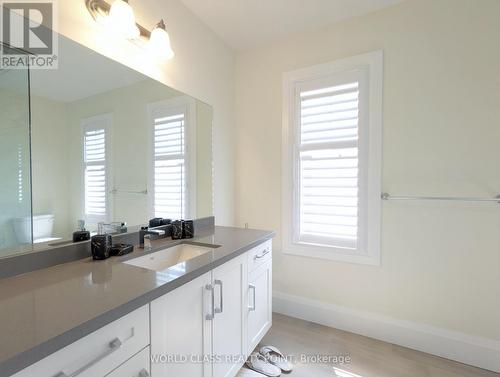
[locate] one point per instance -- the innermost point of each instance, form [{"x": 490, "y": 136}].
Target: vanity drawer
[
  {"x": 98, "y": 353},
  {"x": 137, "y": 366},
  {"x": 260, "y": 254}
]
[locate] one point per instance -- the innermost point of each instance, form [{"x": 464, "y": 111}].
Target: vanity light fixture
[
  {"x": 159, "y": 42},
  {"x": 119, "y": 17}
]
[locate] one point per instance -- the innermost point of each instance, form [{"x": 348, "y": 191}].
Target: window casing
[
  {"x": 332, "y": 160},
  {"x": 96, "y": 168},
  {"x": 172, "y": 179}
]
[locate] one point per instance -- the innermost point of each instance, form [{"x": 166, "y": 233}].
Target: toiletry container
[
  {"x": 81, "y": 234},
  {"x": 188, "y": 229},
  {"x": 153, "y": 223},
  {"x": 100, "y": 246},
  {"x": 177, "y": 229}
]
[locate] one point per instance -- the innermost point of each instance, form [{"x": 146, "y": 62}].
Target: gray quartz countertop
[{"x": 45, "y": 310}]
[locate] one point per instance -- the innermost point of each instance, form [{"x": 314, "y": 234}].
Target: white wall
[
  {"x": 440, "y": 262},
  {"x": 203, "y": 67}
]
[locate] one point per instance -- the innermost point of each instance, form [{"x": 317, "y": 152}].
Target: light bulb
[
  {"x": 121, "y": 19},
  {"x": 159, "y": 42}
]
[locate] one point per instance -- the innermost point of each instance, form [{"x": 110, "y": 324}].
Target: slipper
[
  {"x": 245, "y": 372},
  {"x": 275, "y": 357},
  {"x": 258, "y": 363}
]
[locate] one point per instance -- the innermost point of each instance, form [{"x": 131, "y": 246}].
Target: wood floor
[{"x": 368, "y": 357}]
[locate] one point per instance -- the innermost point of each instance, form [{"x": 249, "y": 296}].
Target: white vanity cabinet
[
  {"x": 98, "y": 353},
  {"x": 259, "y": 294},
  {"x": 181, "y": 331},
  {"x": 197, "y": 330}
]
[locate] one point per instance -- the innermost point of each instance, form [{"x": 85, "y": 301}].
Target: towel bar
[{"x": 387, "y": 196}]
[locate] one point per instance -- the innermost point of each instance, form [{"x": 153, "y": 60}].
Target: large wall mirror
[{"x": 107, "y": 145}]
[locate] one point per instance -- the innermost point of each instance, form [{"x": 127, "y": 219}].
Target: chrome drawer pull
[
  {"x": 220, "y": 309},
  {"x": 114, "y": 346},
  {"x": 264, "y": 253},
  {"x": 254, "y": 302},
  {"x": 143, "y": 373},
  {"x": 211, "y": 315}
]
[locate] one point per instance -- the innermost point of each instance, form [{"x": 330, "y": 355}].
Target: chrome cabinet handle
[
  {"x": 113, "y": 346},
  {"x": 220, "y": 309},
  {"x": 143, "y": 373},
  {"x": 211, "y": 315},
  {"x": 264, "y": 253},
  {"x": 254, "y": 301}
]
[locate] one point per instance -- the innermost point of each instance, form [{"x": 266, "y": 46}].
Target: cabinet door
[
  {"x": 259, "y": 310},
  {"x": 229, "y": 339},
  {"x": 137, "y": 366},
  {"x": 180, "y": 331}
]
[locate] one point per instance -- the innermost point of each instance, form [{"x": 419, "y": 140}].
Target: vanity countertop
[{"x": 45, "y": 310}]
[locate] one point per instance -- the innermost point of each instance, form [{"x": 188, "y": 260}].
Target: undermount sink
[{"x": 163, "y": 259}]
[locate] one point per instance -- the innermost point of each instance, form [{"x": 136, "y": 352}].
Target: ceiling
[
  {"x": 77, "y": 75},
  {"x": 245, "y": 24}
]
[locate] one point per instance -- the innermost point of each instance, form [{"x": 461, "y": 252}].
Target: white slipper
[
  {"x": 276, "y": 357},
  {"x": 258, "y": 363},
  {"x": 245, "y": 372}
]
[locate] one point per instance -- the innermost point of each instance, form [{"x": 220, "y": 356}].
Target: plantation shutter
[
  {"x": 170, "y": 166},
  {"x": 328, "y": 192},
  {"x": 96, "y": 190}
]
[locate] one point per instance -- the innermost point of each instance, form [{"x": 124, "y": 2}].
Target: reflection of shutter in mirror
[
  {"x": 95, "y": 173},
  {"x": 169, "y": 166}
]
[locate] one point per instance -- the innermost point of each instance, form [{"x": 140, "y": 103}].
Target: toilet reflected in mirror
[{"x": 43, "y": 228}]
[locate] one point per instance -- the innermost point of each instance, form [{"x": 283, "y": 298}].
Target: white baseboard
[{"x": 480, "y": 352}]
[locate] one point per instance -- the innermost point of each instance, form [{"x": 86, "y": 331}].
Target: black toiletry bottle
[
  {"x": 81, "y": 235},
  {"x": 155, "y": 222},
  {"x": 188, "y": 229},
  {"x": 166, "y": 221},
  {"x": 100, "y": 245},
  {"x": 177, "y": 227}
]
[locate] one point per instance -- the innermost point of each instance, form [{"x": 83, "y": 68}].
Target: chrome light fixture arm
[{"x": 100, "y": 8}]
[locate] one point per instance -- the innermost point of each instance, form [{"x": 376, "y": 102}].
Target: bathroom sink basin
[{"x": 163, "y": 259}]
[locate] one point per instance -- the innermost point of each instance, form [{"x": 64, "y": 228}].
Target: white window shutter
[
  {"x": 95, "y": 172},
  {"x": 328, "y": 172},
  {"x": 96, "y": 167},
  {"x": 170, "y": 166}
]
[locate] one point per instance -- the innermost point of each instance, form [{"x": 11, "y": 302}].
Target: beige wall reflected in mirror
[{"x": 110, "y": 145}]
